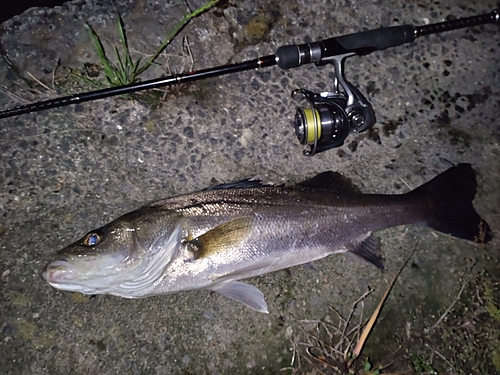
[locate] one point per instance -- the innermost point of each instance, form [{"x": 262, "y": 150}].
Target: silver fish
[{"x": 211, "y": 239}]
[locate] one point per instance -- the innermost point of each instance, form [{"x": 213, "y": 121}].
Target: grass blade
[
  {"x": 126, "y": 70},
  {"x": 101, "y": 53},
  {"x": 180, "y": 25}
]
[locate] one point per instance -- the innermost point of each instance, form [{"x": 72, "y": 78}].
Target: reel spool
[{"x": 323, "y": 124}]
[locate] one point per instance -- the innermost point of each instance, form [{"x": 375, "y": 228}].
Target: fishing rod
[{"x": 330, "y": 116}]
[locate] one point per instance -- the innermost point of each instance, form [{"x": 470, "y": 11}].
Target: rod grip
[
  {"x": 365, "y": 42},
  {"x": 361, "y": 43}
]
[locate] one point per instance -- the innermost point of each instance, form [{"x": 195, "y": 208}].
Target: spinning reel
[{"x": 330, "y": 116}]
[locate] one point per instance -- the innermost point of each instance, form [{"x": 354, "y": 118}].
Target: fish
[{"x": 213, "y": 238}]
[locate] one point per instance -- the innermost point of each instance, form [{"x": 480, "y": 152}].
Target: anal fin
[{"x": 369, "y": 250}]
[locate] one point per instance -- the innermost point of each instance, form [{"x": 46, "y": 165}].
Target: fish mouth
[{"x": 58, "y": 271}]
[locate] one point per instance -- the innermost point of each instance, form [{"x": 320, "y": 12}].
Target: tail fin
[{"x": 450, "y": 196}]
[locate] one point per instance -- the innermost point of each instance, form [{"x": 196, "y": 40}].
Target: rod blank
[{"x": 286, "y": 57}]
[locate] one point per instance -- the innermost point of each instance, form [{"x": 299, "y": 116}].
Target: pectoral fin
[
  {"x": 245, "y": 293},
  {"x": 222, "y": 238}
]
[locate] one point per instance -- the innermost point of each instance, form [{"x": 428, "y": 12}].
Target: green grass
[{"x": 123, "y": 69}]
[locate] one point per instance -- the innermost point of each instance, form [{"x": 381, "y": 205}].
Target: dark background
[{"x": 10, "y": 8}]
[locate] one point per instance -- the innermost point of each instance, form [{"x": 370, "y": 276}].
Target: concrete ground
[{"x": 68, "y": 170}]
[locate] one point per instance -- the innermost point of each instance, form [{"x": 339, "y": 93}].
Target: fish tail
[{"x": 450, "y": 197}]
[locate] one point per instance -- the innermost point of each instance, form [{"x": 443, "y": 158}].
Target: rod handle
[{"x": 361, "y": 43}]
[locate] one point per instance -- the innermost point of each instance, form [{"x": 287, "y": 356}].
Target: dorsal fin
[
  {"x": 246, "y": 183},
  {"x": 331, "y": 181}
]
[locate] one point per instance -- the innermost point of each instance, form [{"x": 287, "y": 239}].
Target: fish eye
[{"x": 92, "y": 239}]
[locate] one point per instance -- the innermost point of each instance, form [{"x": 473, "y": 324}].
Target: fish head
[{"x": 111, "y": 259}]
